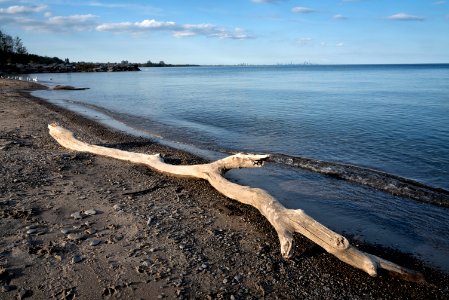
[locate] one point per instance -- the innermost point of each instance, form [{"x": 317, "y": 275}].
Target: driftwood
[
  {"x": 285, "y": 221},
  {"x": 68, "y": 88}
]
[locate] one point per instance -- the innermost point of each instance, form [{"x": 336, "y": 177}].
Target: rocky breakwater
[{"x": 67, "y": 68}]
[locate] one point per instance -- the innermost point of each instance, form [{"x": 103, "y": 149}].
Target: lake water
[{"x": 383, "y": 129}]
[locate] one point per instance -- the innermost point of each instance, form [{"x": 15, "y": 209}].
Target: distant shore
[
  {"x": 141, "y": 234},
  {"x": 32, "y": 68},
  {"x": 36, "y": 68}
]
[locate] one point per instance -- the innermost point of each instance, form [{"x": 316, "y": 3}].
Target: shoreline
[{"x": 196, "y": 244}]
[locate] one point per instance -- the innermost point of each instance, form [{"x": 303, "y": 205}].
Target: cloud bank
[
  {"x": 45, "y": 22},
  {"x": 19, "y": 10},
  {"x": 187, "y": 30}
]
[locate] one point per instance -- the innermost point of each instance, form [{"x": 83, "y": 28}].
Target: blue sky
[{"x": 233, "y": 31}]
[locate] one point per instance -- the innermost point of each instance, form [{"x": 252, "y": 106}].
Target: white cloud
[
  {"x": 339, "y": 17},
  {"x": 194, "y": 29},
  {"x": 145, "y": 25},
  {"x": 59, "y": 23},
  {"x": 73, "y": 20},
  {"x": 340, "y": 44},
  {"x": 439, "y": 2},
  {"x": 266, "y": 1},
  {"x": 89, "y": 22},
  {"x": 18, "y": 10},
  {"x": 302, "y": 10},
  {"x": 404, "y": 17},
  {"x": 187, "y": 30}
]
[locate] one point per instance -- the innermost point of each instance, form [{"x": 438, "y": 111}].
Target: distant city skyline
[{"x": 233, "y": 32}]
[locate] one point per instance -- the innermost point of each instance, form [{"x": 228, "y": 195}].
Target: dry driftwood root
[{"x": 285, "y": 221}]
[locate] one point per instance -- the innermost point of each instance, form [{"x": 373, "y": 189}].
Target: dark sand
[{"x": 159, "y": 236}]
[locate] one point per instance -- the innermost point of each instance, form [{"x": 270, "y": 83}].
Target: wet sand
[{"x": 144, "y": 235}]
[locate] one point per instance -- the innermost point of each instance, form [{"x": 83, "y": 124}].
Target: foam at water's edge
[{"x": 392, "y": 184}]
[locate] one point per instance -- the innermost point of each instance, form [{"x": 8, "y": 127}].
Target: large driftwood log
[{"x": 285, "y": 221}]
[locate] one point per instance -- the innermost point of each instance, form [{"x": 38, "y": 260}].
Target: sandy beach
[{"x": 80, "y": 226}]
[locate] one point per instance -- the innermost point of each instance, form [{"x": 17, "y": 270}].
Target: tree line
[
  {"x": 15, "y": 59},
  {"x": 163, "y": 64},
  {"x": 13, "y": 51}
]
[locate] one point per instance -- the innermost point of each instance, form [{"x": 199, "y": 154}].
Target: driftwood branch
[{"x": 285, "y": 221}]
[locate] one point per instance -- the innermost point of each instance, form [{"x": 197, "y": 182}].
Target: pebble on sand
[
  {"x": 77, "y": 215},
  {"x": 90, "y": 212},
  {"x": 90, "y": 231},
  {"x": 94, "y": 242},
  {"x": 76, "y": 259},
  {"x": 66, "y": 230},
  {"x": 75, "y": 236}
]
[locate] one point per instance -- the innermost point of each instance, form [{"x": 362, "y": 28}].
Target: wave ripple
[{"x": 390, "y": 183}]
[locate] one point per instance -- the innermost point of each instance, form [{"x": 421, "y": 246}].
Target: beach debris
[{"x": 285, "y": 221}]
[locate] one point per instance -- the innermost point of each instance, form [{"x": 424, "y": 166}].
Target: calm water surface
[{"x": 390, "y": 118}]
